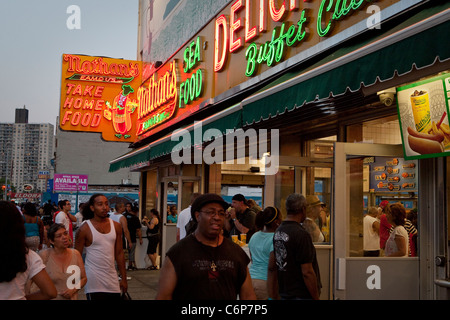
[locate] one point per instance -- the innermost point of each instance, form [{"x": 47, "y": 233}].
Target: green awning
[
  {"x": 132, "y": 158},
  {"x": 415, "y": 45},
  {"x": 228, "y": 119},
  {"x": 221, "y": 122}
]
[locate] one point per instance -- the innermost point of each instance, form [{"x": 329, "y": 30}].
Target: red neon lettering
[
  {"x": 293, "y": 6},
  {"x": 98, "y": 66},
  {"x": 234, "y": 26},
  {"x": 158, "y": 93},
  {"x": 68, "y": 103},
  {"x": 277, "y": 15},
  {"x": 249, "y": 33},
  {"x": 73, "y": 62},
  {"x": 66, "y": 117},
  {"x": 262, "y": 16},
  {"x": 78, "y": 103},
  {"x": 86, "y": 119},
  {"x": 221, "y": 24},
  {"x": 88, "y": 90},
  {"x": 77, "y": 90},
  {"x": 98, "y": 92},
  {"x": 99, "y": 105},
  {"x": 88, "y": 105},
  {"x": 69, "y": 87},
  {"x": 96, "y": 120},
  {"x": 76, "y": 119},
  {"x": 86, "y": 67}
]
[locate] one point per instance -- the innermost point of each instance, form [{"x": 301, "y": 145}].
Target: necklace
[{"x": 213, "y": 265}]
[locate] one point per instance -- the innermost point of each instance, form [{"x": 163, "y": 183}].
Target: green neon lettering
[
  {"x": 289, "y": 35},
  {"x": 186, "y": 60},
  {"x": 341, "y": 9},
  {"x": 197, "y": 57},
  {"x": 199, "y": 74},
  {"x": 273, "y": 51},
  {"x": 357, "y": 4},
  {"x": 323, "y": 32},
  {"x": 250, "y": 55},
  {"x": 186, "y": 92},
  {"x": 262, "y": 53},
  {"x": 192, "y": 84},
  {"x": 181, "y": 96}
]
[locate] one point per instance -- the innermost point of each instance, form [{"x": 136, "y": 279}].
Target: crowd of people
[
  {"x": 55, "y": 259},
  {"x": 390, "y": 230},
  {"x": 53, "y": 254},
  {"x": 281, "y": 262}
]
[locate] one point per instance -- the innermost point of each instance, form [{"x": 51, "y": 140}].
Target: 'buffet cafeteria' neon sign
[{"x": 227, "y": 42}]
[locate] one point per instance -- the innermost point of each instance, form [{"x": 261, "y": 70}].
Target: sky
[{"x": 34, "y": 34}]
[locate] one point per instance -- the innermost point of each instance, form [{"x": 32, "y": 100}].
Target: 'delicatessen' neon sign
[{"x": 227, "y": 42}]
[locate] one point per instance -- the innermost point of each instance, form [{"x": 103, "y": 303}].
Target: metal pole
[{"x": 6, "y": 176}]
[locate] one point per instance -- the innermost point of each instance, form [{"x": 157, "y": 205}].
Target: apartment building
[{"x": 26, "y": 149}]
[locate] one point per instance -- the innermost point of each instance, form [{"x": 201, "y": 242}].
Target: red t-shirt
[{"x": 385, "y": 226}]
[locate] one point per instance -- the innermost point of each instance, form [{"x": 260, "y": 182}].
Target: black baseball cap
[
  {"x": 204, "y": 199},
  {"x": 239, "y": 197}
]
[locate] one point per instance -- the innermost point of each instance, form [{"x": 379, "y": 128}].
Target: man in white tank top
[
  {"x": 102, "y": 239},
  {"x": 120, "y": 218}
]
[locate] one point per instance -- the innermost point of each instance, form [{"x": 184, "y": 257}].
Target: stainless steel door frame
[{"x": 351, "y": 273}]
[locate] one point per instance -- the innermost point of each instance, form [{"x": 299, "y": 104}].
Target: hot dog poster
[
  {"x": 99, "y": 94},
  {"x": 424, "y": 117}
]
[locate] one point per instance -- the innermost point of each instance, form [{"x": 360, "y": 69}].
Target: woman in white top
[
  {"x": 21, "y": 264},
  {"x": 397, "y": 244}
]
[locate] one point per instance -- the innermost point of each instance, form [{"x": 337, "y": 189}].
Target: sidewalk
[{"x": 142, "y": 286}]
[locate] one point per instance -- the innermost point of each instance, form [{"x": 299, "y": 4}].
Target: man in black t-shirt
[
  {"x": 241, "y": 219},
  {"x": 293, "y": 267},
  {"x": 205, "y": 265}
]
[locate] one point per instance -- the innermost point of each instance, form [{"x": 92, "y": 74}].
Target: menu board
[
  {"x": 393, "y": 175},
  {"x": 424, "y": 117}
]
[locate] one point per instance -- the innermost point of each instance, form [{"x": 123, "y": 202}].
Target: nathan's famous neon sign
[
  {"x": 157, "y": 101},
  {"x": 226, "y": 41},
  {"x": 99, "y": 70}
]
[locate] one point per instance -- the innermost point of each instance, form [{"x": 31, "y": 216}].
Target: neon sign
[
  {"x": 228, "y": 42},
  {"x": 272, "y": 51},
  {"x": 157, "y": 101},
  {"x": 341, "y": 9},
  {"x": 99, "y": 66},
  {"x": 191, "y": 89},
  {"x": 97, "y": 95}
]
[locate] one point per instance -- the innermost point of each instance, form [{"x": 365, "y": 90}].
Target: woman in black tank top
[{"x": 153, "y": 236}]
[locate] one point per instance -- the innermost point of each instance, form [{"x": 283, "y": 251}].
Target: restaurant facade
[{"x": 270, "y": 97}]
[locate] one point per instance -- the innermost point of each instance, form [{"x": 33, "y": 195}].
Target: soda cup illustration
[{"x": 420, "y": 103}]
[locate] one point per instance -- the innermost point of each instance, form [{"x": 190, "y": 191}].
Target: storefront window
[
  {"x": 284, "y": 186},
  {"x": 374, "y": 184},
  {"x": 254, "y": 193},
  {"x": 150, "y": 192}
]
